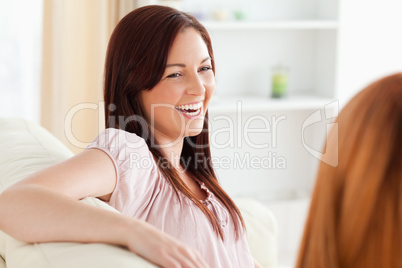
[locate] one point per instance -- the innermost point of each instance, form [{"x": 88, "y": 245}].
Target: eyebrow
[{"x": 183, "y": 65}]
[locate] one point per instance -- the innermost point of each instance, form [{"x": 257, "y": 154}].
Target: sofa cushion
[
  {"x": 25, "y": 148},
  {"x": 261, "y": 230}
]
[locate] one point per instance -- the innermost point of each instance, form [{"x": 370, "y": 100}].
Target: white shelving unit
[
  {"x": 271, "y": 25},
  {"x": 253, "y": 104},
  {"x": 299, "y": 34}
]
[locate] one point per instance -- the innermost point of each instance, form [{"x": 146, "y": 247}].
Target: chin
[
  {"x": 194, "y": 131},
  {"x": 195, "y": 127},
  {"x": 194, "y": 135}
]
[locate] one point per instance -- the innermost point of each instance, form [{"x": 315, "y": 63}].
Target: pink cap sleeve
[{"x": 134, "y": 164}]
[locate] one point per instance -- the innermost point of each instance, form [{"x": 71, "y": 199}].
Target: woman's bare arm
[{"x": 44, "y": 208}]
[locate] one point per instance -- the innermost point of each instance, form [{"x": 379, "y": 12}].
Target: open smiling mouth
[{"x": 190, "y": 110}]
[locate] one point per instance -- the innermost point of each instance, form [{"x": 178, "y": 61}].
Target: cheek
[
  {"x": 164, "y": 94},
  {"x": 209, "y": 86},
  {"x": 143, "y": 102},
  {"x": 170, "y": 95}
]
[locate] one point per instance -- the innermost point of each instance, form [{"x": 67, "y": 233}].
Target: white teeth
[
  {"x": 190, "y": 106},
  {"x": 195, "y": 107}
]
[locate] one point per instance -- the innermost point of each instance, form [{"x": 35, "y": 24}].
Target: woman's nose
[{"x": 195, "y": 85}]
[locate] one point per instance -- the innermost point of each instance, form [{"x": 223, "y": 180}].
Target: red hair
[
  {"x": 135, "y": 61},
  {"x": 355, "y": 216}
]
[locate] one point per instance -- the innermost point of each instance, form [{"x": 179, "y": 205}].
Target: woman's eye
[
  {"x": 206, "y": 68},
  {"x": 173, "y": 75}
]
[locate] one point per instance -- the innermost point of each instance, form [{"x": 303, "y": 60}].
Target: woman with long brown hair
[
  {"x": 152, "y": 163},
  {"x": 355, "y": 216}
]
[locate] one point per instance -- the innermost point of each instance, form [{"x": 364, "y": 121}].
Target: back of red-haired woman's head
[
  {"x": 136, "y": 59},
  {"x": 355, "y": 216}
]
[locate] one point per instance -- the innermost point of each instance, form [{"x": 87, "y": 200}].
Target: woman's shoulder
[
  {"x": 120, "y": 143},
  {"x": 113, "y": 134},
  {"x": 113, "y": 137},
  {"x": 137, "y": 175}
]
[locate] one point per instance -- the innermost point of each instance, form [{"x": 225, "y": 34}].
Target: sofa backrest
[{"x": 26, "y": 147}]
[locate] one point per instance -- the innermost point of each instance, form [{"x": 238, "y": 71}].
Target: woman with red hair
[
  {"x": 355, "y": 216},
  {"x": 152, "y": 163}
]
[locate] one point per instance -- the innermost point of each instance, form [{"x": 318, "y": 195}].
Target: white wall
[{"x": 370, "y": 43}]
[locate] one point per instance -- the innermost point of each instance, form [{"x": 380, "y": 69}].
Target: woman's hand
[{"x": 160, "y": 248}]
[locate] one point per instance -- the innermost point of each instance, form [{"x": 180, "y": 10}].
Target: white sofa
[{"x": 25, "y": 147}]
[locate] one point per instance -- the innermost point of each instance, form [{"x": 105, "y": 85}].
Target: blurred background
[{"x": 284, "y": 69}]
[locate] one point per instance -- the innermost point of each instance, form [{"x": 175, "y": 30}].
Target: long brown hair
[
  {"x": 355, "y": 216},
  {"x": 135, "y": 61}
]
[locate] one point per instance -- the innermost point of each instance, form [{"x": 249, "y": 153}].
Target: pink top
[{"x": 142, "y": 192}]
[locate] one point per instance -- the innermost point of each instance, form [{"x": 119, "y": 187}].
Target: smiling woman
[{"x": 186, "y": 86}]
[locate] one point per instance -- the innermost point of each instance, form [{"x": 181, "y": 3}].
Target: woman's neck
[{"x": 171, "y": 149}]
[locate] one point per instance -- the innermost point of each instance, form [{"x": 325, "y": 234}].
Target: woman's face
[{"x": 176, "y": 106}]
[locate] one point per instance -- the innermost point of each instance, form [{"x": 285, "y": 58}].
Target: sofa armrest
[
  {"x": 67, "y": 255},
  {"x": 2, "y": 263},
  {"x": 261, "y": 231}
]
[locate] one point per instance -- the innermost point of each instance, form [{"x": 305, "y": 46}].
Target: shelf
[
  {"x": 271, "y": 25},
  {"x": 261, "y": 104}
]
